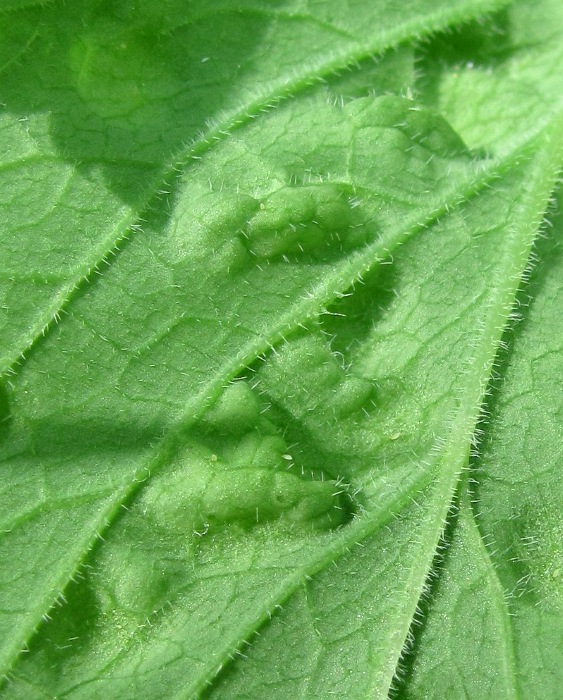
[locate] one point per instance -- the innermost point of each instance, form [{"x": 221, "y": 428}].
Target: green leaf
[
  {"x": 486, "y": 79},
  {"x": 269, "y": 426}
]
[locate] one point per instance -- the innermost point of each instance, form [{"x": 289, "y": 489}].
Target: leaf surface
[{"x": 262, "y": 295}]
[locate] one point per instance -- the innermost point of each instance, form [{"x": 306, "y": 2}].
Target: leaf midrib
[
  {"x": 508, "y": 657},
  {"x": 503, "y": 297}
]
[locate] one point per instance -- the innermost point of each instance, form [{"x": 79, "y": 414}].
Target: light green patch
[
  {"x": 237, "y": 409},
  {"x": 309, "y": 220},
  {"x": 207, "y": 494}
]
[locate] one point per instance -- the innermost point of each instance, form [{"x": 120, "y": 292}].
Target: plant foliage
[{"x": 281, "y": 349}]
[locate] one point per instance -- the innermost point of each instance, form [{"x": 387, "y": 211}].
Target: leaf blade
[{"x": 272, "y": 236}]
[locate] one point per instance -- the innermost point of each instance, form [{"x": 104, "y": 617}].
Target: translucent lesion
[
  {"x": 310, "y": 220},
  {"x": 236, "y": 470}
]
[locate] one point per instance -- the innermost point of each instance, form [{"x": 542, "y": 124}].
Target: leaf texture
[{"x": 269, "y": 426}]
